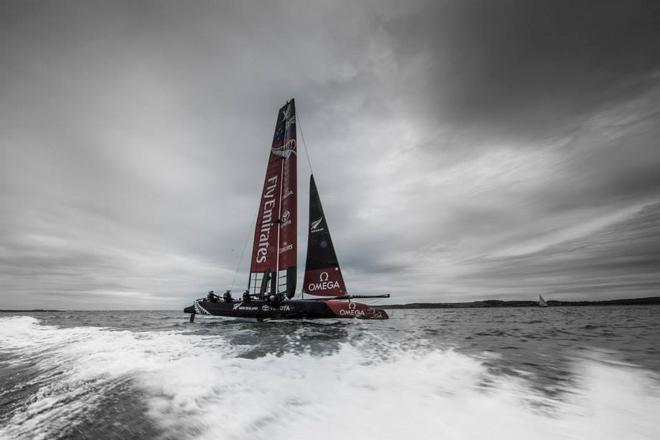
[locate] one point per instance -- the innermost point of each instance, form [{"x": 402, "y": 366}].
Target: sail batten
[{"x": 323, "y": 275}]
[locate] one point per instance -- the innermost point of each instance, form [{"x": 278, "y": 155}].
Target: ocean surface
[{"x": 511, "y": 373}]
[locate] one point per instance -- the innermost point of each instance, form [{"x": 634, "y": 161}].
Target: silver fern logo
[{"x": 315, "y": 226}]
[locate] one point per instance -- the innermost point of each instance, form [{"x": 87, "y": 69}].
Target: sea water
[{"x": 511, "y": 373}]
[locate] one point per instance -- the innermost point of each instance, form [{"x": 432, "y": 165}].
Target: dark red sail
[
  {"x": 322, "y": 273},
  {"x": 273, "y": 264},
  {"x": 288, "y": 237}
]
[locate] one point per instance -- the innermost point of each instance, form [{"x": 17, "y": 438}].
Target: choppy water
[{"x": 582, "y": 373}]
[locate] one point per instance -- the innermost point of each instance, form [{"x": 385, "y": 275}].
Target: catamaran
[{"x": 272, "y": 281}]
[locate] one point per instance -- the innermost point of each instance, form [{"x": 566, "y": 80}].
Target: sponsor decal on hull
[
  {"x": 243, "y": 307},
  {"x": 343, "y": 309},
  {"x": 284, "y": 308},
  {"x": 352, "y": 310},
  {"x": 264, "y": 308}
]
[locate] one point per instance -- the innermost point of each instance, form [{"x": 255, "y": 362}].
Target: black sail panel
[{"x": 322, "y": 272}]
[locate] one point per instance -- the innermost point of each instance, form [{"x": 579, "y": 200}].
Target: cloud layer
[{"x": 462, "y": 149}]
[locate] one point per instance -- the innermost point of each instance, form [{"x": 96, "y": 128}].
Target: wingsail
[{"x": 273, "y": 264}]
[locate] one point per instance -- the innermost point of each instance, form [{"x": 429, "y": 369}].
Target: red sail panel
[
  {"x": 288, "y": 215},
  {"x": 324, "y": 282},
  {"x": 264, "y": 255}
]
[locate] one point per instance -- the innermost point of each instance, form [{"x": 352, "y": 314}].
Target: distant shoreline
[
  {"x": 653, "y": 300},
  {"x": 499, "y": 303}
]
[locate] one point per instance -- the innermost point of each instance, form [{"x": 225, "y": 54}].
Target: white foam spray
[{"x": 198, "y": 388}]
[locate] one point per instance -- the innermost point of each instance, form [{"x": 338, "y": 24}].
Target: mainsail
[
  {"x": 273, "y": 264},
  {"x": 322, "y": 273}
]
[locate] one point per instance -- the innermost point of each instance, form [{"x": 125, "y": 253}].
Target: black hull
[{"x": 291, "y": 309}]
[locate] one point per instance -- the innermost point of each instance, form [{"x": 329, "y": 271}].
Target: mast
[
  {"x": 288, "y": 230},
  {"x": 322, "y": 272},
  {"x": 275, "y": 236},
  {"x": 279, "y": 230}
]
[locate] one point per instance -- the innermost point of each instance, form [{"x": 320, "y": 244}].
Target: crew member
[
  {"x": 274, "y": 300},
  {"x": 212, "y": 297}
]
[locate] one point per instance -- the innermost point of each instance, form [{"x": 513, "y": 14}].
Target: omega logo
[{"x": 323, "y": 284}]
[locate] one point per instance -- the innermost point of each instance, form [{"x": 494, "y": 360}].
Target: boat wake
[{"x": 83, "y": 381}]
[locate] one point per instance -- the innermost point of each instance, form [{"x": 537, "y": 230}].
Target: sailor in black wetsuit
[
  {"x": 212, "y": 297},
  {"x": 246, "y": 296},
  {"x": 274, "y": 300},
  {"x": 227, "y": 297}
]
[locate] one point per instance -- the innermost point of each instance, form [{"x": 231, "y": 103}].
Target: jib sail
[
  {"x": 273, "y": 264},
  {"x": 322, "y": 273}
]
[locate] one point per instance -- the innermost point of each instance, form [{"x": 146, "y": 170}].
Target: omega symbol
[{"x": 323, "y": 276}]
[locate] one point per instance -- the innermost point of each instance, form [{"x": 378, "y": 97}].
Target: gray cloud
[
  {"x": 619, "y": 260},
  {"x": 526, "y": 67},
  {"x": 461, "y": 148}
]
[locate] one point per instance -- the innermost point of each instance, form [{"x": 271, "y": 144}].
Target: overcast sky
[{"x": 463, "y": 149}]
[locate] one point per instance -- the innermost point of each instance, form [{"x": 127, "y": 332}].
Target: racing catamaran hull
[{"x": 290, "y": 309}]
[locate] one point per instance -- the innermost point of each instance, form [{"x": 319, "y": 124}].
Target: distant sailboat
[
  {"x": 542, "y": 302},
  {"x": 272, "y": 282}
]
